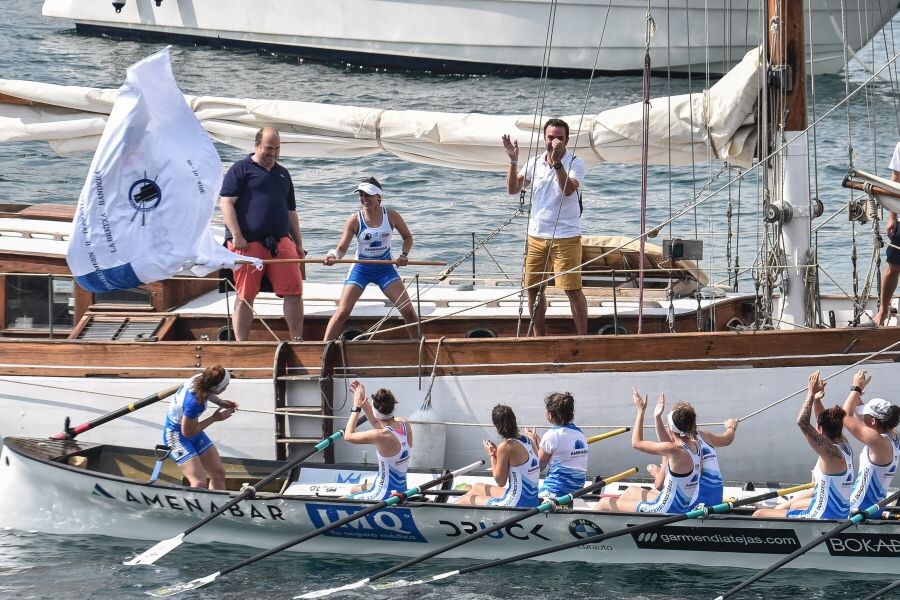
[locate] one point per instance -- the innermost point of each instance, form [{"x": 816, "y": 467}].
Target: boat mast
[{"x": 791, "y": 208}]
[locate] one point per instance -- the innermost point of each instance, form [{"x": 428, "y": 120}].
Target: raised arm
[
  {"x": 662, "y": 434},
  {"x": 514, "y": 182},
  {"x": 852, "y": 422},
  {"x": 819, "y": 443},
  {"x": 637, "y": 432}
]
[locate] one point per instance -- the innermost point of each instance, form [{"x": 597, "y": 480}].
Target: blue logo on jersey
[
  {"x": 534, "y": 462},
  {"x": 580, "y": 445},
  {"x": 390, "y": 524},
  {"x": 351, "y": 478},
  {"x": 403, "y": 455}
]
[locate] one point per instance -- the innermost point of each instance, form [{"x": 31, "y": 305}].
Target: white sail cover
[
  {"x": 716, "y": 123},
  {"x": 144, "y": 212}
]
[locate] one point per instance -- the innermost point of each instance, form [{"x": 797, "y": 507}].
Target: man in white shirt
[
  {"x": 554, "y": 229},
  {"x": 892, "y": 269}
]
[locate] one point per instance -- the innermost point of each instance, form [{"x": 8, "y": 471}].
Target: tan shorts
[{"x": 565, "y": 254}]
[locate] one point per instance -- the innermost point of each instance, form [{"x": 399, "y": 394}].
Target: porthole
[
  {"x": 481, "y": 332},
  {"x": 612, "y": 330}
]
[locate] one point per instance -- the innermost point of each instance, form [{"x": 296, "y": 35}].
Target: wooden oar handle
[
  {"x": 350, "y": 261},
  {"x": 861, "y": 186},
  {"x": 608, "y": 434}
]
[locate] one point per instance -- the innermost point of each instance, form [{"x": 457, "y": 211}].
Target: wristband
[
  {"x": 557, "y": 165},
  {"x": 856, "y": 388},
  {"x": 356, "y": 409},
  {"x": 333, "y": 253},
  {"x": 406, "y": 254}
]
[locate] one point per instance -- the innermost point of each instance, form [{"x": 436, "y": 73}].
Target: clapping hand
[
  {"x": 660, "y": 406},
  {"x": 639, "y": 401}
]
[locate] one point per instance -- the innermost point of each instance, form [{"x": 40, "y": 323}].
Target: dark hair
[
  {"x": 561, "y": 407},
  {"x": 831, "y": 420},
  {"x": 207, "y": 381},
  {"x": 685, "y": 418},
  {"x": 262, "y": 131},
  {"x": 371, "y": 179},
  {"x": 891, "y": 420},
  {"x": 383, "y": 400},
  {"x": 556, "y": 123},
  {"x": 505, "y": 421}
]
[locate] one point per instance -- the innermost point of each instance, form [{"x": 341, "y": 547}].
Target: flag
[{"x": 144, "y": 211}]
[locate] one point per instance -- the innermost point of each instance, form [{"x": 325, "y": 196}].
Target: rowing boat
[{"x": 67, "y": 486}]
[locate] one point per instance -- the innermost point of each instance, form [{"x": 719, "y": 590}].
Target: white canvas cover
[{"x": 716, "y": 123}]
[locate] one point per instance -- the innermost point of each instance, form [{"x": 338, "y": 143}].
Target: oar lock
[{"x": 249, "y": 489}]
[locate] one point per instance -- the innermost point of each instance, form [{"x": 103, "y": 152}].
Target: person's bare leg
[
  {"x": 578, "y": 303},
  {"x": 212, "y": 463},
  {"x": 537, "y": 312},
  {"x": 349, "y": 296},
  {"x": 396, "y": 293},
  {"x": 195, "y": 473},
  {"x": 888, "y": 287},
  {"x": 241, "y": 318},
  {"x": 293, "y": 314}
]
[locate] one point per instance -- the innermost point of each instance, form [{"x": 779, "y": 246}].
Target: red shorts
[{"x": 284, "y": 277}]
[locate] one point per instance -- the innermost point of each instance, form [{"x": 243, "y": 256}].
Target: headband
[
  {"x": 381, "y": 415},
  {"x": 672, "y": 426},
  {"x": 220, "y": 387}
]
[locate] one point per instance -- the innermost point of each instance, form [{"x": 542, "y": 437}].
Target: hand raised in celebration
[
  {"x": 639, "y": 401},
  {"x": 511, "y": 146},
  {"x": 660, "y": 405}
]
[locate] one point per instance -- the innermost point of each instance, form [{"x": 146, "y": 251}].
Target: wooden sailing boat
[{"x": 724, "y": 373}]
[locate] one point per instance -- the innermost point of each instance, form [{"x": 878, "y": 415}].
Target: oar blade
[
  {"x": 151, "y": 555},
  {"x": 328, "y": 592},
  {"x": 183, "y": 586}
]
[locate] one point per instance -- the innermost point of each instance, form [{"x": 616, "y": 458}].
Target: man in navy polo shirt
[{"x": 260, "y": 213}]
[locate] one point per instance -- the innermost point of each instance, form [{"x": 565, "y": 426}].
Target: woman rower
[
  {"x": 711, "y": 485},
  {"x": 874, "y": 424},
  {"x": 680, "y": 447},
  {"x": 191, "y": 448},
  {"x": 514, "y": 464},
  {"x": 372, "y": 225},
  {"x": 833, "y": 473},
  {"x": 563, "y": 447},
  {"x": 392, "y": 438}
]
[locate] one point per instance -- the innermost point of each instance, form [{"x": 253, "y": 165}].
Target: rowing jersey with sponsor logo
[
  {"x": 374, "y": 242},
  {"x": 522, "y": 481},
  {"x": 831, "y": 493},
  {"x": 679, "y": 492},
  {"x": 391, "y": 475},
  {"x": 711, "y": 487},
  {"x": 873, "y": 480},
  {"x": 568, "y": 449}
]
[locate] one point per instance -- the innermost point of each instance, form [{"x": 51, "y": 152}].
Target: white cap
[
  {"x": 876, "y": 407},
  {"x": 370, "y": 186}
]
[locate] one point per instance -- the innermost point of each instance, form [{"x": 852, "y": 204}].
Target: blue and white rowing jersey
[
  {"x": 679, "y": 492},
  {"x": 183, "y": 404},
  {"x": 711, "y": 486},
  {"x": 522, "y": 481},
  {"x": 831, "y": 493},
  {"x": 568, "y": 450},
  {"x": 374, "y": 242},
  {"x": 391, "y": 469},
  {"x": 873, "y": 480}
]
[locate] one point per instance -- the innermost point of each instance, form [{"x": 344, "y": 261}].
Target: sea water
[{"x": 443, "y": 208}]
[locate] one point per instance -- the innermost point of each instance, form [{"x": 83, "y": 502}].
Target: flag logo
[{"x": 144, "y": 196}]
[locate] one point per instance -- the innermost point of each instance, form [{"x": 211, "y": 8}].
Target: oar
[
  {"x": 353, "y": 261},
  {"x": 546, "y": 506},
  {"x": 150, "y": 556},
  {"x": 854, "y": 520},
  {"x": 395, "y": 499},
  {"x": 608, "y": 434},
  {"x": 69, "y": 433},
  {"x": 883, "y": 591},
  {"x": 593, "y": 539}
]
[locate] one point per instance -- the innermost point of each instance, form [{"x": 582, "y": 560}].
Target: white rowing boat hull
[
  {"x": 57, "y": 498},
  {"x": 482, "y": 36}
]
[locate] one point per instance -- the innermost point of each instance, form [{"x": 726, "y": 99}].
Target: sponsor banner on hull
[
  {"x": 719, "y": 539},
  {"x": 864, "y": 544},
  {"x": 390, "y": 524}
]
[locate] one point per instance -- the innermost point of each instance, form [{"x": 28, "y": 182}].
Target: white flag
[{"x": 144, "y": 212}]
